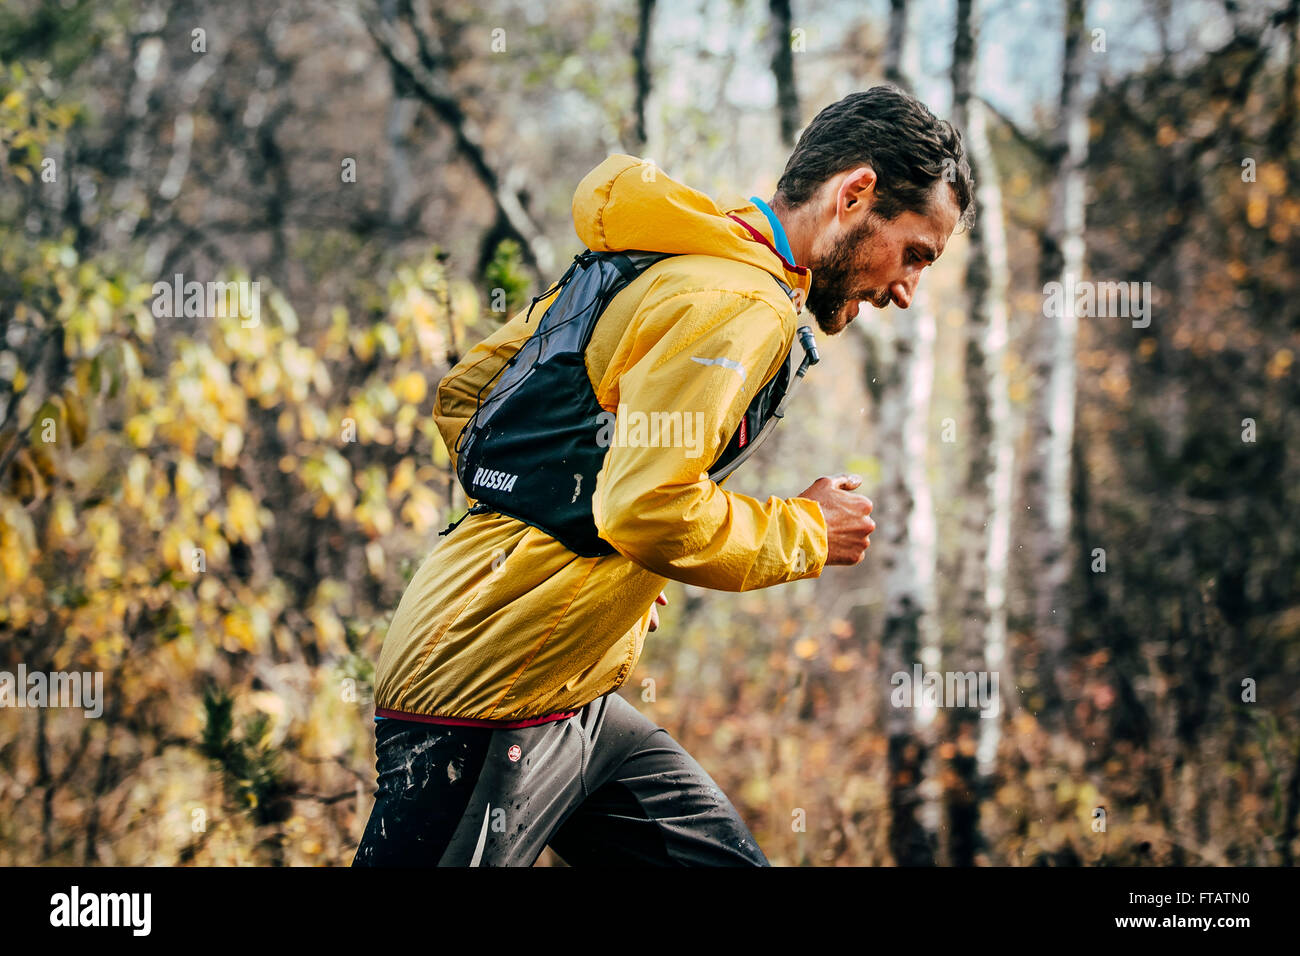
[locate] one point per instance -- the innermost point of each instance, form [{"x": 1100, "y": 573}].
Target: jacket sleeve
[{"x": 656, "y": 504}]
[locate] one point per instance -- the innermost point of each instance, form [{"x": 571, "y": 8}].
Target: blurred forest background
[{"x": 1100, "y": 510}]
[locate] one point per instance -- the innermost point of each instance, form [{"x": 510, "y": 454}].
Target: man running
[{"x": 498, "y": 727}]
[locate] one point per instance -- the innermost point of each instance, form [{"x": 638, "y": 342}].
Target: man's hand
[
  {"x": 848, "y": 525},
  {"x": 654, "y": 611}
]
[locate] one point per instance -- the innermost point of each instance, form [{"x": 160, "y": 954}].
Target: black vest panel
[{"x": 532, "y": 449}]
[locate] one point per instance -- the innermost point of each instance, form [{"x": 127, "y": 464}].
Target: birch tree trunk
[
  {"x": 988, "y": 480},
  {"x": 908, "y": 540},
  {"x": 901, "y": 363},
  {"x": 1051, "y": 416}
]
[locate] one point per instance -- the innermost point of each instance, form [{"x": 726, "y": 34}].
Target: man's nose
[{"x": 901, "y": 291}]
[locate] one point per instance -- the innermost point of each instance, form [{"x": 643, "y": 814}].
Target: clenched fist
[{"x": 847, "y": 514}]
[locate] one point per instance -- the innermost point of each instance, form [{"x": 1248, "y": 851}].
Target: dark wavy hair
[{"x": 894, "y": 133}]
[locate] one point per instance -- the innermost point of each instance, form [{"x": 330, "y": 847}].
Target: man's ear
[{"x": 857, "y": 191}]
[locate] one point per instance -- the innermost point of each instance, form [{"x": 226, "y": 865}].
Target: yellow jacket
[{"x": 502, "y": 622}]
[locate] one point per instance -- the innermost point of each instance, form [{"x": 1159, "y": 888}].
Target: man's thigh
[
  {"x": 652, "y": 804},
  {"x": 454, "y": 796},
  {"x": 426, "y": 776}
]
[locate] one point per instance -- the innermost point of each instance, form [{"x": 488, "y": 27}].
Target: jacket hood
[{"x": 630, "y": 204}]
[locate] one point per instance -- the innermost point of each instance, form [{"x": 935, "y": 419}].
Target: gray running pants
[{"x": 606, "y": 787}]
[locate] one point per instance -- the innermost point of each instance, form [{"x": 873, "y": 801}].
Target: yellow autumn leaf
[
  {"x": 139, "y": 429},
  {"x": 1272, "y": 176},
  {"x": 136, "y": 474},
  {"x": 269, "y": 703},
  {"x": 238, "y": 632},
  {"x": 411, "y": 388},
  {"x": 242, "y": 515},
  {"x": 232, "y": 441},
  {"x": 403, "y": 478},
  {"x": 1280, "y": 363},
  {"x": 329, "y": 630},
  {"x": 1257, "y": 211},
  {"x": 63, "y": 520},
  {"x": 842, "y": 663},
  {"x": 421, "y": 510},
  {"x": 375, "y": 558},
  {"x": 363, "y": 345},
  {"x": 17, "y": 541}
]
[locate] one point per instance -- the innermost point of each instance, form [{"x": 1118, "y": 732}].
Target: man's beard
[{"x": 832, "y": 287}]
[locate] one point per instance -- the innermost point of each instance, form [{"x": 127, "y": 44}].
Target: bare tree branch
[
  {"x": 1036, "y": 145},
  {"x": 430, "y": 88}
]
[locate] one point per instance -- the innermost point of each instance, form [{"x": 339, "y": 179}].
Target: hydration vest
[{"x": 533, "y": 447}]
